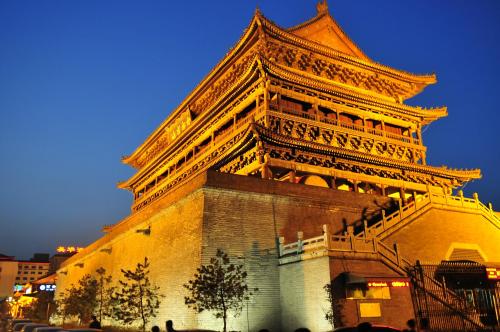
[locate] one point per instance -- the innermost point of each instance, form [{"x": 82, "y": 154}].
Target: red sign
[
  {"x": 391, "y": 283},
  {"x": 398, "y": 283},
  {"x": 377, "y": 284}
]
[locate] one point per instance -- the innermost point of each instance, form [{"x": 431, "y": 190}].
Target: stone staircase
[
  {"x": 451, "y": 306},
  {"x": 425, "y": 286},
  {"x": 383, "y": 225}
]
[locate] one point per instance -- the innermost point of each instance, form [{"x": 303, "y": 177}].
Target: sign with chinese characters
[
  {"x": 390, "y": 283},
  {"x": 47, "y": 288},
  {"x": 68, "y": 250},
  {"x": 493, "y": 273}
]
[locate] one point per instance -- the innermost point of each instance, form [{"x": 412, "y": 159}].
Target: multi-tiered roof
[{"x": 303, "y": 104}]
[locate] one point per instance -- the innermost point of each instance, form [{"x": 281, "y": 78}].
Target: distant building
[
  {"x": 34, "y": 269},
  {"x": 17, "y": 272},
  {"x": 8, "y": 274},
  {"x": 56, "y": 261}
]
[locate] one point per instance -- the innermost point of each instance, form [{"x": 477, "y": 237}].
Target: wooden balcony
[{"x": 332, "y": 121}]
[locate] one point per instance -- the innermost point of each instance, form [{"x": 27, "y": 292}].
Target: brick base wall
[{"x": 245, "y": 216}]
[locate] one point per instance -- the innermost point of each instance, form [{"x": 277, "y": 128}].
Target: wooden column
[
  {"x": 266, "y": 172},
  {"x": 402, "y": 195},
  {"x": 266, "y": 104},
  {"x": 333, "y": 185}
]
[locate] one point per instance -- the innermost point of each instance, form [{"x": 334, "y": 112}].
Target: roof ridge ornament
[
  {"x": 322, "y": 7},
  {"x": 257, "y": 11}
]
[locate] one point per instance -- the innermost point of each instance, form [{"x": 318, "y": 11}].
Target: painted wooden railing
[{"x": 351, "y": 126}]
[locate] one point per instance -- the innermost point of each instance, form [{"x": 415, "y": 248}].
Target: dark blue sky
[{"x": 84, "y": 82}]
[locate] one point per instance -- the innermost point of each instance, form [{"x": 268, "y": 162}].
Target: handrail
[
  {"x": 406, "y": 211},
  {"x": 350, "y": 243}
]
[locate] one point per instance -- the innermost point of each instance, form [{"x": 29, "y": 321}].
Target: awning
[{"x": 352, "y": 279}]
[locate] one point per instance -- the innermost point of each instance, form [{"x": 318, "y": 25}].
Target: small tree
[
  {"x": 64, "y": 303},
  {"x": 79, "y": 301},
  {"x": 87, "y": 298},
  {"x": 104, "y": 294},
  {"x": 219, "y": 287},
  {"x": 4, "y": 311},
  {"x": 42, "y": 307},
  {"x": 334, "y": 313},
  {"x": 137, "y": 298}
]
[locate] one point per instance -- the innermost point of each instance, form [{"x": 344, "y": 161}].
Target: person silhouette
[
  {"x": 424, "y": 325},
  {"x": 364, "y": 327},
  {"x": 170, "y": 326},
  {"x": 155, "y": 329},
  {"x": 95, "y": 324},
  {"x": 412, "y": 326}
]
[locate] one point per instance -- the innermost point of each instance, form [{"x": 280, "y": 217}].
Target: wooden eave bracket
[{"x": 269, "y": 136}]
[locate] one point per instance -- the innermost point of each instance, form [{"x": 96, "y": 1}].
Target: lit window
[{"x": 359, "y": 293}]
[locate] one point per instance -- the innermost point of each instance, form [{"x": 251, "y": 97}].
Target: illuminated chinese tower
[
  {"x": 303, "y": 104},
  {"x": 297, "y": 155}
]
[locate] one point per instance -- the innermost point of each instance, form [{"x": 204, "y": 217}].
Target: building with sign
[
  {"x": 17, "y": 272},
  {"x": 8, "y": 273},
  {"x": 298, "y": 155}
]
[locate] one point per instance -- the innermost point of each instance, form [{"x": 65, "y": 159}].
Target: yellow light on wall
[{"x": 493, "y": 273}]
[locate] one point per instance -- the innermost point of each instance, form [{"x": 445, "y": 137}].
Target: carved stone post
[
  {"x": 300, "y": 237},
  {"x": 326, "y": 236},
  {"x": 350, "y": 236},
  {"x": 281, "y": 244}
]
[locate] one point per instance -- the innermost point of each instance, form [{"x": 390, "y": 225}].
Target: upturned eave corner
[
  {"x": 253, "y": 26},
  {"x": 430, "y": 115},
  {"x": 123, "y": 185}
]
